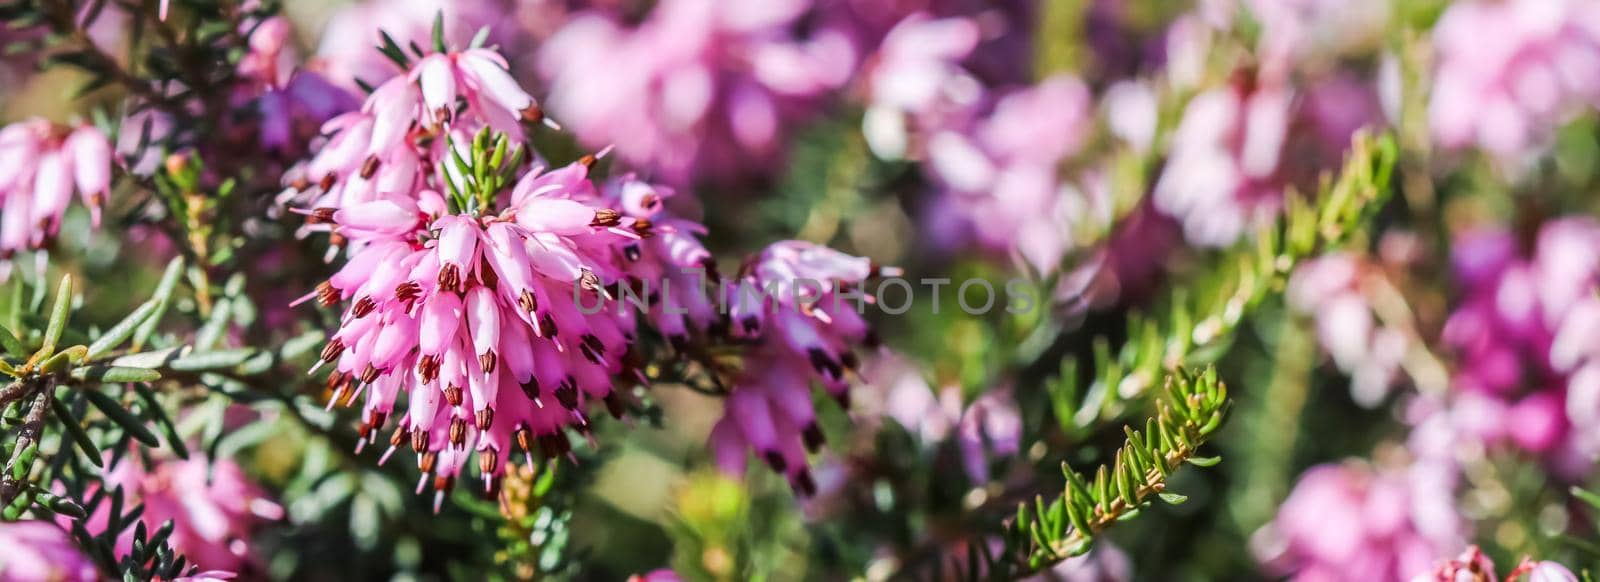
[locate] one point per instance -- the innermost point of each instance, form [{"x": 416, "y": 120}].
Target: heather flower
[
  {"x": 1509, "y": 71},
  {"x": 1355, "y": 522},
  {"x": 214, "y": 508},
  {"x": 699, "y": 89},
  {"x": 481, "y": 319},
  {"x": 1519, "y": 329},
  {"x": 1001, "y": 176},
  {"x": 291, "y": 104},
  {"x": 1540, "y": 571},
  {"x": 1239, "y": 147},
  {"x": 405, "y": 128},
  {"x": 916, "y": 81},
  {"x": 662, "y": 575},
  {"x": 1220, "y": 178},
  {"x": 990, "y": 427},
  {"x": 45, "y": 165},
  {"x": 1471, "y": 566},
  {"x": 1294, "y": 31},
  {"x": 39, "y": 551},
  {"x": 1332, "y": 289},
  {"x": 803, "y": 330},
  {"x": 346, "y": 48},
  {"x": 667, "y": 268},
  {"x": 898, "y": 391}
]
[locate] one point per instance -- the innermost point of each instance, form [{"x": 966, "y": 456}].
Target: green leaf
[
  {"x": 58, "y": 318},
  {"x": 122, "y": 417},
  {"x": 168, "y": 428},
  {"x": 74, "y": 429},
  {"x": 9, "y": 342},
  {"x": 115, "y": 374},
  {"x": 1174, "y": 498},
  {"x": 57, "y": 504},
  {"x": 123, "y": 329},
  {"x": 1586, "y": 496},
  {"x": 1204, "y": 461},
  {"x": 200, "y": 361},
  {"x": 438, "y": 33}
]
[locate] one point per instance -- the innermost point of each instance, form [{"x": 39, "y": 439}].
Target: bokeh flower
[
  {"x": 213, "y": 505},
  {"x": 701, "y": 89},
  {"x": 1352, "y": 521},
  {"x": 1510, "y": 71},
  {"x": 45, "y": 165},
  {"x": 40, "y": 551}
]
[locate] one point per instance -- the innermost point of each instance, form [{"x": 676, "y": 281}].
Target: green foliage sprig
[{"x": 1195, "y": 407}]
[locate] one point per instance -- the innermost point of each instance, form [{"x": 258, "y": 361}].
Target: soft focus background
[{"x": 1433, "y": 385}]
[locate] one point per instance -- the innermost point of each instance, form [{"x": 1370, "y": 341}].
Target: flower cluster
[
  {"x": 476, "y": 318},
  {"x": 994, "y": 154},
  {"x": 1521, "y": 332},
  {"x": 1352, "y": 521},
  {"x": 1473, "y": 566},
  {"x": 801, "y": 334},
  {"x": 45, "y": 164},
  {"x": 1510, "y": 71}
]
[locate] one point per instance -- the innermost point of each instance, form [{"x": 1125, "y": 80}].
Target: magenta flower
[
  {"x": 803, "y": 331},
  {"x": 662, "y": 575},
  {"x": 670, "y": 268},
  {"x": 1354, "y": 522},
  {"x": 40, "y": 551},
  {"x": 699, "y": 89},
  {"x": 291, "y": 104},
  {"x": 1510, "y": 71},
  {"x": 1521, "y": 331},
  {"x": 45, "y": 164},
  {"x": 214, "y": 508}
]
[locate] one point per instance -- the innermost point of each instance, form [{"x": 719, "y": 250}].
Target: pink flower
[
  {"x": 662, "y": 575},
  {"x": 1471, "y": 566},
  {"x": 1510, "y": 71},
  {"x": 396, "y": 143},
  {"x": 699, "y": 89},
  {"x": 346, "y": 50},
  {"x": 1355, "y": 522},
  {"x": 1523, "y": 331},
  {"x": 44, "y": 165},
  {"x": 804, "y": 329},
  {"x": 1333, "y": 290},
  {"x": 485, "y": 322},
  {"x": 991, "y": 427},
  {"x": 39, "y": 551},
  {"x": 214, "y": 508},
  {"x": 1541, "y": 571},
  {"x": 1000, "y": 174}
]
